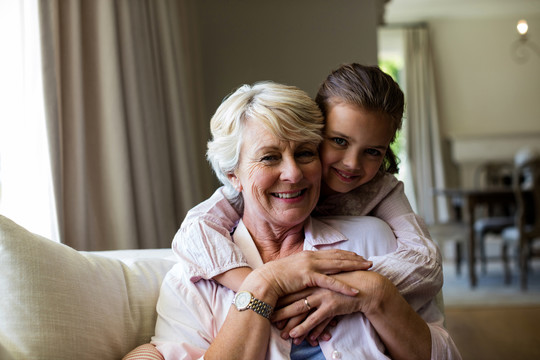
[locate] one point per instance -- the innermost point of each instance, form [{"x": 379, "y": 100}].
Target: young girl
[{"x": 363, "y": 108}]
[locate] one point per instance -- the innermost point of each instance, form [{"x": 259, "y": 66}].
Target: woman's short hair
[
  {"x": 369, "y": 88},
  {"x": 288, "y": 112}
]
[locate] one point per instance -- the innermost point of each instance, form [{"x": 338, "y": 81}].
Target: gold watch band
[{"x": 260, "y": 307}]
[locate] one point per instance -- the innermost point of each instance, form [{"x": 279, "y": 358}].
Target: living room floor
[
  {"x": 496, "y": 332},
  {"x": 494, "y": 320}
]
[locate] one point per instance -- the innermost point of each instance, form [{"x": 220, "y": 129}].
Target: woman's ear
[{"x": 235, "y": 182}]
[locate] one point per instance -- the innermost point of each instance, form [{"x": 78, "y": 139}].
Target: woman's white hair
[{"x": 286, "y": 111}]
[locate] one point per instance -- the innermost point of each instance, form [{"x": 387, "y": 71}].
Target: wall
[
  {"x": 481, "y": 88},
  {"x": 294, "y": 42},
  {"x": 485, "y": 96}
]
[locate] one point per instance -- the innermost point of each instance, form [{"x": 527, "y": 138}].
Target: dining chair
[
  {"x": 493, "y": 174},
  {"x": 526, "y": 233},
  {"x": 451, "y": 235}
]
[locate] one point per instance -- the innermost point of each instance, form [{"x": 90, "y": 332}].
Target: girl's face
[{"x": 354, "y": 146}]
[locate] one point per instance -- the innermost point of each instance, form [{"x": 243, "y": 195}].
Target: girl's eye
[
  {"x": 339, "y": 141},
  {"x": 373, "y": 152}
]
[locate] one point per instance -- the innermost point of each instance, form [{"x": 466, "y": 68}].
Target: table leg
[{"x": 471, "y": 258}]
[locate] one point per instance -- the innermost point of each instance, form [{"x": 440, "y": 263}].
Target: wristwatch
[{"x": 244, "y": 300}]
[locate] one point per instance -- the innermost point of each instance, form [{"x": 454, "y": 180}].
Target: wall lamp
[{"x": 523, "y": 46}]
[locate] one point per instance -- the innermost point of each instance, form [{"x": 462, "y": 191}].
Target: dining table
[{"x": 466, "y": 201}]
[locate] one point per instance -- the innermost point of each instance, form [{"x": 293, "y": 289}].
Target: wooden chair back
[
  {"x": 493, "y": 174},
  {"x": 527, "y": 189}
]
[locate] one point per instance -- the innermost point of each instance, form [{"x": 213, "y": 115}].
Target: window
[
  {"x": 25, "y": 175},
  {"x": 392, "y": 61}
]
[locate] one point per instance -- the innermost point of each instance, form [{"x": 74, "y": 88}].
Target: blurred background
[{"x": 105, "y": 108}]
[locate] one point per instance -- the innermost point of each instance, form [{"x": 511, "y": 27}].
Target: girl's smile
[{"x": 354, "y": 146}]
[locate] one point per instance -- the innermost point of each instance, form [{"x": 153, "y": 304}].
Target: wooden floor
[
  {"x": 493, "y": 321},
  {"x": 493, "y": 333}
]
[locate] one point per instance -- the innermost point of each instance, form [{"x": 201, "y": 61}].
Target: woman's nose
[{"x": 291, "y": 171}]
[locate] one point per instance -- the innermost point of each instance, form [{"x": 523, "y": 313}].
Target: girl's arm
[
  {"x": 204, "y": 242},
  {"x": 415, "y": 267},
  {"x": 405, "y": 333}
]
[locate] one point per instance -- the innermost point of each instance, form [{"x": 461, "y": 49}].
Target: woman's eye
[
  {"x": 373, "y": 152},
  {"x": 306, "y": 154},
  {"x": 269, "y": 158},
  {"x": 339, "y": 141}
]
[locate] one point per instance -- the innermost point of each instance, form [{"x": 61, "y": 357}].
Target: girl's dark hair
[{"x": 369, "y": 88}]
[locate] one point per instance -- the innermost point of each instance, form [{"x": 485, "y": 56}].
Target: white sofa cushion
[{"x": 58, "y": 303}]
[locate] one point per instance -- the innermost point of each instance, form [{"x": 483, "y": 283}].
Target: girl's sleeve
[
  {"x": 415, "y": 267},
  {"x": 204, "y": 241},
  {"x": 443, "y": 346}
]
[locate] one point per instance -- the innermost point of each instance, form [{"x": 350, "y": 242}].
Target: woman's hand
[
  {"x": 298, "y": 303},
  {"x": 326, "y": 306},
  {"x": 309, "y": 269}
]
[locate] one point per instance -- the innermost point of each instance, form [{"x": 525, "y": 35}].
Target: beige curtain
[
  {"x": 126, "y": 136},
  {"x": 425, "y": 150}
]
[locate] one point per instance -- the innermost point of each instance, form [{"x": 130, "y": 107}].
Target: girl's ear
[{"x": 235, "y": 182}]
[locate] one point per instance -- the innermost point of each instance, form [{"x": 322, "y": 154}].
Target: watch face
[{"x": 242, "y": 300}]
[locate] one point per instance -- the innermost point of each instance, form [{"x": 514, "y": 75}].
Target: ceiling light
[
  {"x": 522, "y": 27},
  {"x": 523, "y": 46}
]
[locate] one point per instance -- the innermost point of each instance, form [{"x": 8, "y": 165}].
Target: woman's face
[
  {"x": 279, "y": 180},
  {"x": 354, "y": 146}
]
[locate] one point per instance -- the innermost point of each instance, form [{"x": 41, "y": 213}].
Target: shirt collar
[{"x": 317, "y": 233}]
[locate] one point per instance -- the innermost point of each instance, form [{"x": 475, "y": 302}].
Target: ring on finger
[{"x": 307, "y": 304}]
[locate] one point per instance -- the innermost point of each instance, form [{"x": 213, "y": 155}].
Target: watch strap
[{"x": 260, "y": 307}]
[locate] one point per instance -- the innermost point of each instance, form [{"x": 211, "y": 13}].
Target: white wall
[
  {"x": 294, "y": 42},
  {"x": 481, "y": 89},
  {"x": 489, "y": 104}
]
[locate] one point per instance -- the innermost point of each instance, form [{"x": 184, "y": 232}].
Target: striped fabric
[{"x": 144, "y": 352}]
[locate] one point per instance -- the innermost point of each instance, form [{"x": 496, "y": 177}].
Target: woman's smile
[{"x": 290, "y": 195}]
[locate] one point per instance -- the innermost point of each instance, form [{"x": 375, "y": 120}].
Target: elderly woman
[{"x": 265, "y": 151}]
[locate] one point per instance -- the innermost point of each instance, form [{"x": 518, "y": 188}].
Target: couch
[{"x": 59, "y": 303}]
